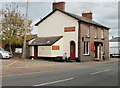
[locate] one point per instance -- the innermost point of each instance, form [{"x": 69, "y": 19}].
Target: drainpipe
[{"x": 79, "y": 43}]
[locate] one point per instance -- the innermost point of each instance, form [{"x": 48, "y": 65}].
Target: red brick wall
[
  {"x": 87, "y": 15},
  {"x": 106, "y": 40},
  {"x": 91, "y": 40},
  {"x": 59, "y": 5}
]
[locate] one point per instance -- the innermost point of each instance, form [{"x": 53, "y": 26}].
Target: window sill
[
  {"x": 95, "y": 38},
  {"x": 102, "y": 38},
  {"x": 87, "y": 36},
  {"x": 86, "y": 54}
]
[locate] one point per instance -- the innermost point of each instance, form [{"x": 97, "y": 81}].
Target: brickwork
[
  {"x": 91, "y": 40},
  {"x": 106, "y": 40},
  {"x": 59, "y": 5},
  {"x": 87, "y": 15}
]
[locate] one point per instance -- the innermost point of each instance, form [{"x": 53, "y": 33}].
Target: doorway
[
  {"x": 35, "y": 52},
  {"x": 72, "y": 50},
  {"x": 96, "y": 51}
]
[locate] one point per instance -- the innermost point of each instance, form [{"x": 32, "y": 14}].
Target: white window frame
[
  {"x": 88, "y": 31},
  {"x": 102, "y": 51},
  {"x": 102, "y": 34},
  {"x": 86, "y": 48}
]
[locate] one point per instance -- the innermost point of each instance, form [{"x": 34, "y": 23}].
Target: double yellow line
[{"x": 11, "y": 75}]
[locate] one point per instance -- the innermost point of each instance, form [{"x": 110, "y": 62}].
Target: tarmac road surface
[{"x": 90, "y": 75}]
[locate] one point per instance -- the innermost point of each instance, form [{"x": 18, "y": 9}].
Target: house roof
[
  {"x": 116, "y": 39},
  {"x": 77, "y": 17},
  {"x": 30, "y": 37},
  {"x": 45, "y": 41}
]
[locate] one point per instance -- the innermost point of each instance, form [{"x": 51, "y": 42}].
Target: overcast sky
[{"x": 105, "y": 13}]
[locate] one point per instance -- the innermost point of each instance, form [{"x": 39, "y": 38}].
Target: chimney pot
[{"x": 59, "y": 5}]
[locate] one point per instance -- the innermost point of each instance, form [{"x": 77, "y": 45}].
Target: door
[
  {"x": 102, "y": 51},
  {"x": 72, "y": 50},
  {"x": 101, "y": 54},
  {"x": 35, "y": 52},
  {"x": 96, "y": 52}
]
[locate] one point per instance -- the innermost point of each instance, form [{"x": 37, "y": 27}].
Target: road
[{"x": 91, "y": 75}]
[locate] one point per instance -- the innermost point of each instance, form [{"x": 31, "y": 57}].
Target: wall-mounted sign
[
  {"x": 92, "y": 47},
  {"x": 55, "y": 47},
  {"x": 69, "y": 29}
]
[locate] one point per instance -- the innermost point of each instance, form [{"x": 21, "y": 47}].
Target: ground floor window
[{"x": 86, "y": 48}]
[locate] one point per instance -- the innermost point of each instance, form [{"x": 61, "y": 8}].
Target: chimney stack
[
  {"x": 59, "y": 5},
  {"x": 87, "y": 15}
]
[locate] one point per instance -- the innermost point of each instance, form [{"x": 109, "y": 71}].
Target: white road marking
[
  {"x": 96, "y": 72},
  {"x": 53, "y": 82},
  {"x": 107, "y": 70},
  {"x": 100, "y": 71}
]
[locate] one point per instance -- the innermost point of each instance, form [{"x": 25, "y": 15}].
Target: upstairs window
[
  {"x": 88, "y": 31},
  {"x": 102, "y": 34},
  {"x": 96, "y": 33},
  {"x": 86, "y": 48}
]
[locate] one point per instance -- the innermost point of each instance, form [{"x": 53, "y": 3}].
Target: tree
[
  {"x": 13, "y": 25},
  {"x": 25, "y": 35}
]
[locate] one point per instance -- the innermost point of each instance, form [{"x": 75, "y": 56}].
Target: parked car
[{"x": 4, "y": 53}]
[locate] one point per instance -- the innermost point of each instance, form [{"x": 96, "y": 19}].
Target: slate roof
[
  {"x": 45, "y": 41},
  {"x": 77, "y": 17},
  {"x": 30, "y": 37},
  {"x": 116, "y": 39}
]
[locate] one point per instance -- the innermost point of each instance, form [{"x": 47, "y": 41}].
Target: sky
[{"x": 105, "y": 13}]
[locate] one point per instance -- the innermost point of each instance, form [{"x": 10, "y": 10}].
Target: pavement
[{"x": 43, "y": 73}]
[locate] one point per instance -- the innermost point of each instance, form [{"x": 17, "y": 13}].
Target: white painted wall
[
  {"x": 31, "y": 50},
  {"x": 70, "y": 36},
  {"x": 44, "y": 51},
  {"x": 54, "y": 26},
  {"x": 113, "y": 44},
  {"x": 55, "y": 53},
  {"x": 114, "y": 47}
]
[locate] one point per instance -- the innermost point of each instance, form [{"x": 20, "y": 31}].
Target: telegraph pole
[
  {"x": 0, "y": 25},
  {"x": 25, "y": 33}
]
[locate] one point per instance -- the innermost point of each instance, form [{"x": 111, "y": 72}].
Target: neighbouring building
[
  {"x": 114, "y": 47},
  {"x": 79, "y": 36},
  {"x": 18, "y": 49}
]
